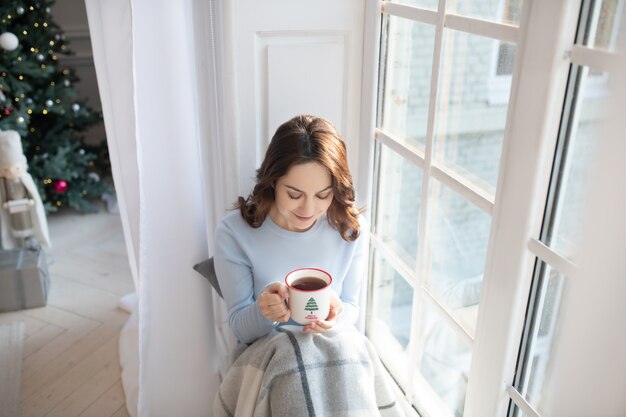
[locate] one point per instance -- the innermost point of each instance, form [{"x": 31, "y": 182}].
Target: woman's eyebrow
[{"x": 300, "y": 191}]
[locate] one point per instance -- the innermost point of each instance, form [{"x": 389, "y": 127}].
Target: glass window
[
  {"x": 435, "y": 195},
  {"x": 407, "y": 72},
  {"x": 604, "y": 24},
  {"x": 469, "y": 132},
  {"x": 445, "y": 360},
  {"x": 458, "y": 247},
  {"x": 398, "y": 201},
  {"x": 506, "y": 58},
  {"x": 501, "y": 11},
  {"x": 540, "y": 337},
  {"x": 391, "y": 316},
  {"x": 425, "y": 295},
  {"x": 580, "y": 136}
]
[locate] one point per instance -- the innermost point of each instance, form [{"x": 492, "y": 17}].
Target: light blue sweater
[{"x": 248, "y": 259}]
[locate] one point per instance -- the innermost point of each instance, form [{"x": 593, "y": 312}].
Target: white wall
[{"x": 291, "y": 57}]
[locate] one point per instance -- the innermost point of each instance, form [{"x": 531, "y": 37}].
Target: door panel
[{"x": 293, "y": 57}]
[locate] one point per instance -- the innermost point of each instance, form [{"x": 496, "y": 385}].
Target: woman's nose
[{"x": 307, "y": 206}]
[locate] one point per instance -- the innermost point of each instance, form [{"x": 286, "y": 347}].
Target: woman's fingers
[
  {"x": 274, "y": 312},
  {"x": 272, "y": 302},
  {"x": 335, "y": 304},
  {"x": 321, "y": 326}
]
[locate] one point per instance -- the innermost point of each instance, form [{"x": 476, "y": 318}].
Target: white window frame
[
  {"x": 544, "y": 53},
  {"x": 499, "y": 84}
]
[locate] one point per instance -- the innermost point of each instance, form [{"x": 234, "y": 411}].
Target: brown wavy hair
[{"x": 303, "y": 139}]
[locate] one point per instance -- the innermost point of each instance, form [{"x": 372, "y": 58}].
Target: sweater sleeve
[
  {"x": 234, "y": 273},
  {"x": 355, "y": 276}
]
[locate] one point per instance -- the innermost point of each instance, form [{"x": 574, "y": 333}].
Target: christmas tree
[
  {"x": 38, "y": 100},
  {"x": 311, "y": 305}
]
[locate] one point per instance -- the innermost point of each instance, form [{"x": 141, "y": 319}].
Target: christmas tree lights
[{"x": 38, "y": 100}]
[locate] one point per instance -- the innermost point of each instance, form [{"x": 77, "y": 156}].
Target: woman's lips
[{"x": 303, "y": 219}]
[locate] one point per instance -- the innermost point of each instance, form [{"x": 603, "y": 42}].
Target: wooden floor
[{"x": 71, "y": 364}]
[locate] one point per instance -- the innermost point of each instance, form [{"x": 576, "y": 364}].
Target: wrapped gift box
[{"x": 24, "y": 279}]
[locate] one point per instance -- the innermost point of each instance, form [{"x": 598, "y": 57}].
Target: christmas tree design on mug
[
  {"x": 309, "y": 294},
  {"x": 311, "y": 306}
]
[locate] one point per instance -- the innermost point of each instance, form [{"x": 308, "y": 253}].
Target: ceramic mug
[{"x": 309, "y": 294}]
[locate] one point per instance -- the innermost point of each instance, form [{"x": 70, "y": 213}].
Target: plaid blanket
[{"x": 291, "y": 373}]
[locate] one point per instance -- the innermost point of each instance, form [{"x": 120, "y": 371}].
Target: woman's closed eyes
[{"x": 320, "y": 196}]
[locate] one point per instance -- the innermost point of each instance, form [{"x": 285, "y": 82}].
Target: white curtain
[
  {"x": 152, "y": 62},
  {"x": 112, "y": 53}
]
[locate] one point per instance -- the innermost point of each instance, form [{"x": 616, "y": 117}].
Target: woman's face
[{"x": 302, "y": 196}]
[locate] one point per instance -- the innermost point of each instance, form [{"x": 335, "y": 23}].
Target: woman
[{"x": 301, "y": 213}]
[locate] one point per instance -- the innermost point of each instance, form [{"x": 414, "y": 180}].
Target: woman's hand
[
  {"x": 321, "y": 326},
  {"x": 272, "y": 302}
]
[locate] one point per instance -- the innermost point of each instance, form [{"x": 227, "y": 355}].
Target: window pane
[
  {"x": 458, "y": 246},
  {"x": 392, "y": 300},
  {"x": 398, "y": 204},
  {"x": 407, "y": 72},
  {"x": 445, "y": 360},
  {"x": 505, "y": 11},
  {"x": 605, "y": 24},
  {"x": 581, "y": 140},
  {"x": 540, "y": 337},
  {"x": 426, "y": 4},
  {"x": 469, "y": 127},
  {"x": 506, "y": 57}
]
